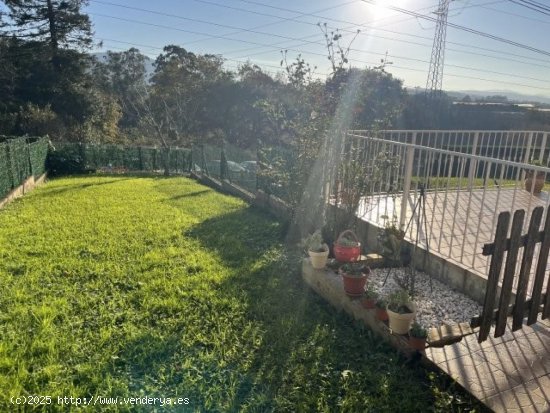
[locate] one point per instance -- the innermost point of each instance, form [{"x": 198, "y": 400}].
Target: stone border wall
[
  {"x": 269, "y": 203},
  {"x": 28, "y": 185}
]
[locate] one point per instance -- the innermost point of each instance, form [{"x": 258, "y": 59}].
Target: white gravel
[{"x": 442, "y": 305}]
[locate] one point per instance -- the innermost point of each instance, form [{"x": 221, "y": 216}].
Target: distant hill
[{"x": 512, "y": 96}]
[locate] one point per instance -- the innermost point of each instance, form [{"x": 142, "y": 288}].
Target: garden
[{"x": 161, "y": 287}]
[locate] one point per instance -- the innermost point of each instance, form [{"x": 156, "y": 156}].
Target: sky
[{"x": 258, "y": 30}]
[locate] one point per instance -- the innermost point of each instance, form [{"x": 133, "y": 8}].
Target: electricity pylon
[{"x": 435, "y": 75}]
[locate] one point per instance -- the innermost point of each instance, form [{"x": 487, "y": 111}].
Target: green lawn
[{"x": 161, "y": 287}]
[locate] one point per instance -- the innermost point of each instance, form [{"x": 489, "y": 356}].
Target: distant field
[{"x": 160, "y": 287}]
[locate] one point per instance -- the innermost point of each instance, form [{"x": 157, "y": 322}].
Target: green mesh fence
[
  {"x": 67, "y": 158},
  {"x": 20, "y": 158}
]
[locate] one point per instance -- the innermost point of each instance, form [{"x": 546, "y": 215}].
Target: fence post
[
  {"x": 140, "y": 156},
  {"x": 9, "y": 159},
  {"x": 473, "y": 162},
  {"x": 409, "y": 161},
  {"x": 28, "y": 145}
]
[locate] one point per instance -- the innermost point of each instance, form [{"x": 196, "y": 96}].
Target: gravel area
[{"x": 442, "y": 305}]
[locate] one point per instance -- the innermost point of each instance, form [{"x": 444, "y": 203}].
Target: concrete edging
[{"x": 28, "y": 185}]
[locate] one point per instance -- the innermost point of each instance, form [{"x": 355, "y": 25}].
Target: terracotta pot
[
  {"x": 381, "y": 314},
  {"x": 354, "y": 286},
  {"x": 344, "y": 253},
  {"x": 417, "y": 343},
  {"x": 319, "y": 259},
  {"x": 368, "y": 303},
  {"x": 401, "y": 323}
]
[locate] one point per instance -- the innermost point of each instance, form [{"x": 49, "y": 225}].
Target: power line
[
  {"x": 313, "y": 24},
  {"x": 467, "y": 29},
  {"x": 316, "y": 53},
  {"x": 240, "y": 30},
  {"x": 533, "y": 5}
]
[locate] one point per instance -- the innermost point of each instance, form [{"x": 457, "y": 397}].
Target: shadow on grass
[
  {"x": 261, "y": 340},
  {"x": 188, "y": 195},
  {"x": 305, "y": 343},
  {"x": 72, "y": 187}
]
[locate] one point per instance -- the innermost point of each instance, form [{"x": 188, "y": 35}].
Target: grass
[
  {"x": 453, "y": 183},
  {"x": 160, "y": 287}
]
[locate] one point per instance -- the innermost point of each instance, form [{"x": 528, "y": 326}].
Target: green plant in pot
[
  {"x": 369, "y": 298},
  {"x": 534, "y": 180},
  {"x": 354, "y": 276},
  {"x": 401, "y": 312},
  {"x": 381, "y": 313},
  {"x": 316, "y": 249},
  {"x": 390, "y": 239},
  {"x": 417, "y": 337}
]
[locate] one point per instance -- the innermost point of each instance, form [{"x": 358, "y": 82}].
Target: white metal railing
[
  {"x": 518, "y": 146},
  {"x": 461, "y": 191}
]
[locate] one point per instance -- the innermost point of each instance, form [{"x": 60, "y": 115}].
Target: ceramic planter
[
  {"x": 401, "y": 323},
  {"x": 319, "y": 259},
  {"x": 354, "y": 285},
  {"x": 345, "y": 253}
]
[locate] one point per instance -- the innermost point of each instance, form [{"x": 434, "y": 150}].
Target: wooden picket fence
[{"x": 539, "y": 301}]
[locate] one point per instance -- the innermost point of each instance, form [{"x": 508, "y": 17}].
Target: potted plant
[
  {"x": 316, "y": 249},
  {"x": 417, "y": 337},
  {"x": 534, "y": 180},
  {"x": 347, "y": 247},
  {"x": 369, "y": 298},
  {"x": 381, "y": 312},
  {"x": 390, "y": 239},
  {"x": 401, "y": 312},
  {"x": 354, "y": 276}
]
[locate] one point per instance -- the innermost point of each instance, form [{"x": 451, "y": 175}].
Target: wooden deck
[{"x": 508, "y": 374}]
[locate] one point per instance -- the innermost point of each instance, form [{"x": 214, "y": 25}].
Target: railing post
[
  {"x": 543, "y": 147},
  {"x": 473, "y": 162},
  {"x": 527, "y": 157},
  {"x": 409, "y": 161}
]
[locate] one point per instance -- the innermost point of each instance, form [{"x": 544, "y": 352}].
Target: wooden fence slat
[
  {"x": 509, "y": 271},
  {"x": 494, "y": 274},
  {"x": 540, "y": 272},
  {"x": 528, "y": 252}
]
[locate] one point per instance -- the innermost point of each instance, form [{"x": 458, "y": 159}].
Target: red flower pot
[
  {"x": 345, "y": 253},
  {"x": 354, "y": 286},
  {"x": 417, "y": 343}
]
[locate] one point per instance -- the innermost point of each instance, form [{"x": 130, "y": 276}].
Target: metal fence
[
  {"x": 68, "y": 158},
  {"x": 237, "y": 165},
  {"x": 446, "y": 195}
]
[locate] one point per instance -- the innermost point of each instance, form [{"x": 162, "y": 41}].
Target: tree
[
  {"x": 123, "y": 75},
  {"x": 185, "y": 98},
  {"x": 60, "y": 23}
]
